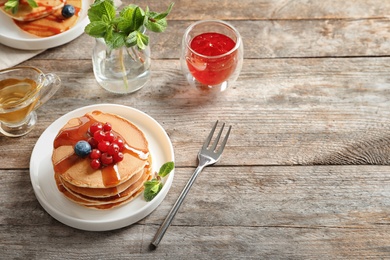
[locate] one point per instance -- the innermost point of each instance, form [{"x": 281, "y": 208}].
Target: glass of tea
[
  {"x": 22, "y": 91},
  {"x": 212, "y": 55}
]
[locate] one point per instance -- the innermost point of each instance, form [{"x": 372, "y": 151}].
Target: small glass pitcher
[{"x": 22, "y": 91}]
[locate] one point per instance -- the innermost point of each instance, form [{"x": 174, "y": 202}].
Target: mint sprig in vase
[{"x": 121, "y": 55}]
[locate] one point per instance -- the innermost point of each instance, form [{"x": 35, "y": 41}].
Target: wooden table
[{"x": 305, "y": 174}]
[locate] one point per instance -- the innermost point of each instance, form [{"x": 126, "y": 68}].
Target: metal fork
[{"x": 207, "y": 155}]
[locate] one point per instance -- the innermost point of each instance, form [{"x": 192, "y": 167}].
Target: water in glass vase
[{"x": 123, "y": 70}]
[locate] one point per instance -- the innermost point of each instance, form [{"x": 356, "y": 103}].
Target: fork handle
[{"x": 167, "y": 222}]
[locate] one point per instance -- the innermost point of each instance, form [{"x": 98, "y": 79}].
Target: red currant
[
  {"x": 95, "y": 154},
  {"x": 107, "y": 127},
  {"x": 99, "y": 135},
  {"x": 106, "y": 146},
  {"x": 113, "y": 149},
  {"x": 109, "y": 136},
  {"x": 95, "y": 164},
  {"x": 95, "y": 127},
  {"x": 118, "y": 157},
  {"x": 107, "y": 159},
  {"x": 120, "y": 143},
  {"x": 103, "y": 146},
  {"x": 92, "y": 142}
]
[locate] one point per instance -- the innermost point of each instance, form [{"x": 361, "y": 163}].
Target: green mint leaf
[
  {"x": 131, "y": 39},
  {"x": 152, "y": 188},
  {"x": 156, "y": 26},
  {"x": 127, "y": 28},
  {"x": 115, "y": 22},
  {"x": 122, "y": 24},
  {"x": 138, "y": 18},
  {"x": 137, "y": 38},
  {"x": 142, "y": 40},
  {"x": 127, "y": 12},
  {"x": 32, "y": 3},
  {"x": 166, "y": 168},
  {"x": 157, "y": 16},
  {"x": 94, "y": 14},
  {"x": 156, "y": 22},
  {"x": 109, "y": 33},
  {"x": 12, "y": 5},
  {"x": 96, "y": 29},
  {"x": 117, "y": 41},
  {"x": 156, "y": 188},
  {"x": 125, "y": 20},
  {"x": 102, "y": 10}
]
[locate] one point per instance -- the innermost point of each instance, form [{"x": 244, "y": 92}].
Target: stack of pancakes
[
  {"x": 27, "y": 13},
  {"x": 109, "y": 186},
  {"x": 46, "y": 19}
]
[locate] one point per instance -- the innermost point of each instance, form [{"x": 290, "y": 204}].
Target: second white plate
[
  {"x": 71, "y": 214},
  {"x": 12, "y": 36}
]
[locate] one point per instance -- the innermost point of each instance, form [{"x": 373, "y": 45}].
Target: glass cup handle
[{"x": 51, "y": 83}]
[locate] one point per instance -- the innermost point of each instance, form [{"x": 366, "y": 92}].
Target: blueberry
[
  {"x": 68, "y": 11},
  {"x": 82, "y": 148}
]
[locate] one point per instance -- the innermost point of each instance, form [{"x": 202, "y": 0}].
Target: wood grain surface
[{"x": 305, "y": 174}]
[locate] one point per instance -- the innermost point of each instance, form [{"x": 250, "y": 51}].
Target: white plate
[
  {"x": 74, "y": 215},
  {"x": 12, "y": 36}
]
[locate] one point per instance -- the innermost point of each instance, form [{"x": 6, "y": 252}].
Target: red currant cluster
[{"x": 106, "y": 146}]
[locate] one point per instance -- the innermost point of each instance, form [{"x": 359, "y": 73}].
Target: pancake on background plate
[
  {"x": 111, "y": 184},
  {"x": 27, "y": 13},
  {"x": 46, "y": 19}
]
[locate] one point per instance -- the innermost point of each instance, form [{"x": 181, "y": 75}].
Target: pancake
[
  {"x": 27, "y": 13},
  {"x": 52, "y": 24},
  {"x": 108, "y": 202},
  {"x": 85, "y": 203},
  {"x": 103, "y": 192},
  {"x": 110, "y": 185},
  {"x": 78, "y": 171},
  {"x": 45, "y": 20}
]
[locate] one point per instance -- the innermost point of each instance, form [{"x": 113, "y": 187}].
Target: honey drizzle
[
  {"x": 70, "y": 136},
  {"x": 110, "y": 175}
]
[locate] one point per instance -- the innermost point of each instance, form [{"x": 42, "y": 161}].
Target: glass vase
[{"x": 123, "y": 70}]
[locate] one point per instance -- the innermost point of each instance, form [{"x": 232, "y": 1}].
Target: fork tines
[{"x": 214, "y": 145}]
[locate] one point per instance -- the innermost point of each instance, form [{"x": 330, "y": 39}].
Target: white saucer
[
  {"x": 74, "y": 215},
  {"x": 12, "y": 36}
]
